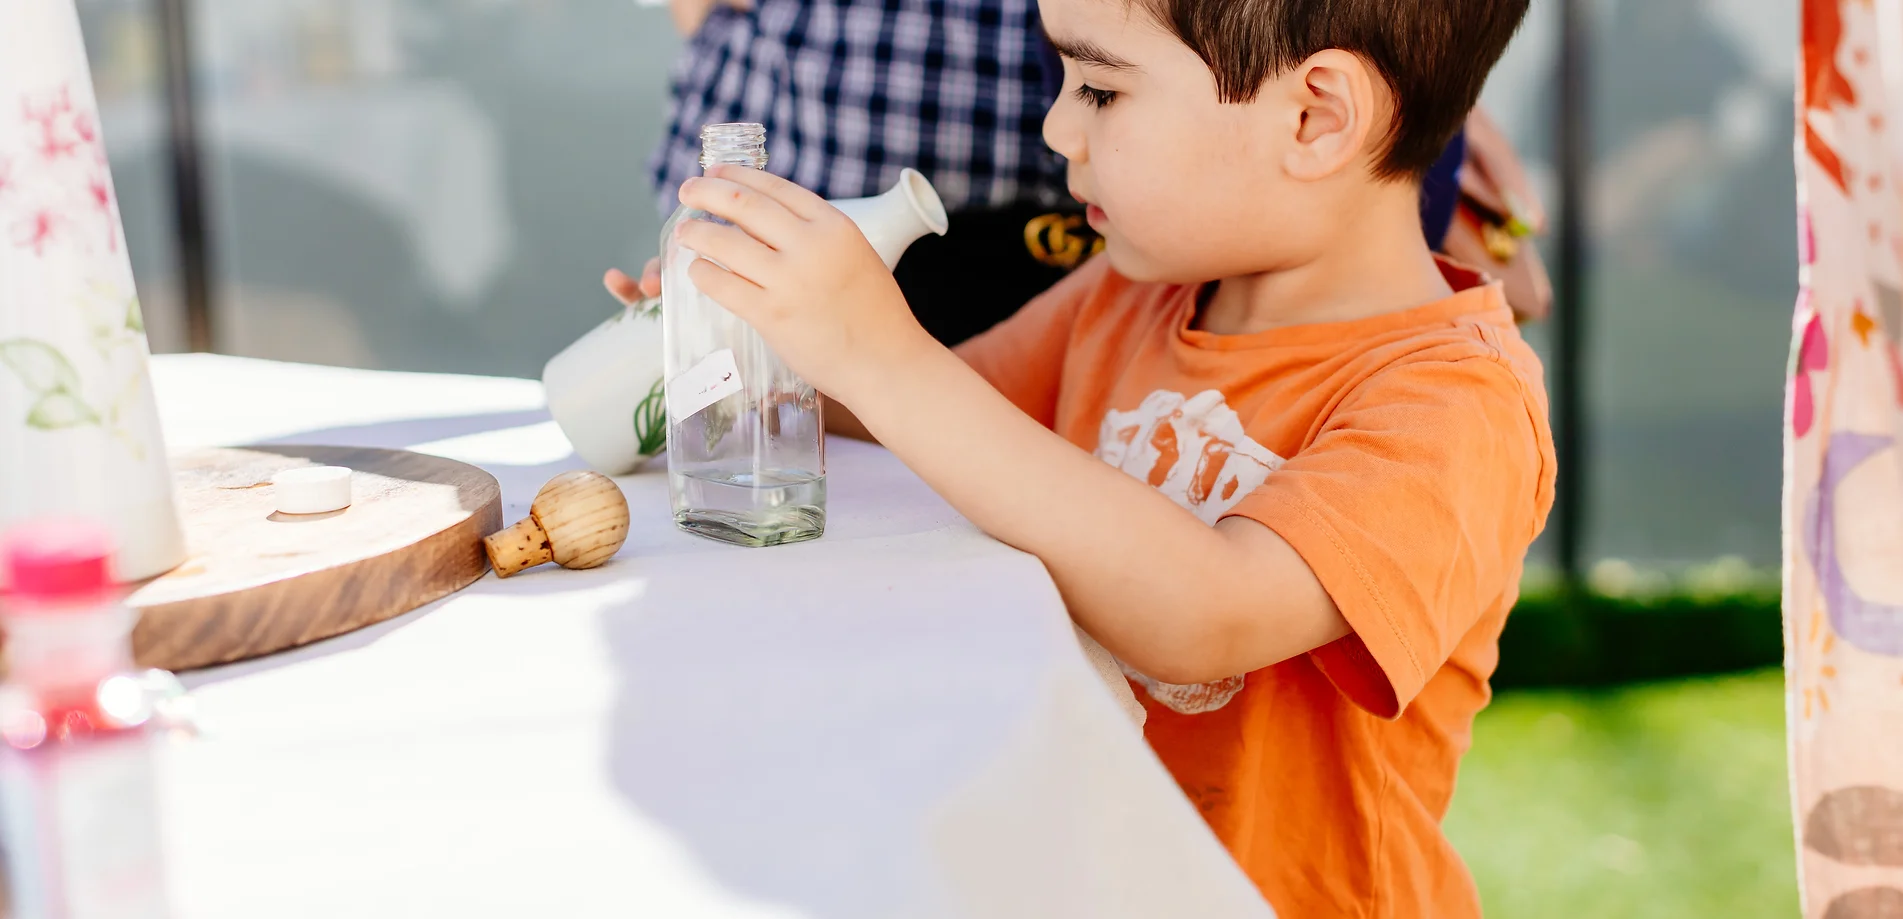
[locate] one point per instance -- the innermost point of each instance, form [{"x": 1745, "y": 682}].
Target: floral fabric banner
[{"x": 1843, "y": 486}]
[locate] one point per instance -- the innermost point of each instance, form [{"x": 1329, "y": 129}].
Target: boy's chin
[
  {"x": 1130, "y": 263},
  {"x": 1142, "y": 267}
]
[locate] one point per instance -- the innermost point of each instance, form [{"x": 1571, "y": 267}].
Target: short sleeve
[
  {"x": 1414, "y": 506},
  {"x": 1023, "y": 356}
]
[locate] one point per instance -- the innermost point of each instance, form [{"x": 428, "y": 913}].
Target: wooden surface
[{"x": 257, "y": 581}]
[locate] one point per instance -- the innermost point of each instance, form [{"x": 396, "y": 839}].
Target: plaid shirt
[{"x": 852, "y": 91}]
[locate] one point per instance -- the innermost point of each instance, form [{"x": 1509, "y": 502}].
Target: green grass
[{"x": 1657, "y": 800}]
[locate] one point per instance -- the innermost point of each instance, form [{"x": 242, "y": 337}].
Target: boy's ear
[{"x": 1334, "y": 97}]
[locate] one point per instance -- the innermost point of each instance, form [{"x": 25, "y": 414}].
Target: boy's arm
[
  {"x": 1020, "y": 356},
  {"x": 842, "y": 422},
  {"x": 1176, "y": 599}
]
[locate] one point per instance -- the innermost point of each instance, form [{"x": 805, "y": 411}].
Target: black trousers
[{"x": 990, "y": 263}]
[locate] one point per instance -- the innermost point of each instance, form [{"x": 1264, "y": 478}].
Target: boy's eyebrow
[{"x": 1089, "y": 52}]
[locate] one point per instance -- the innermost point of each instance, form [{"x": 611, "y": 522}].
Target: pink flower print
[
  {"x": 84, "y": 127},
  {"x": 53, "y": 147},
  {"x": 54, "y": 143},
  {"x": 6, "y": 174},
  {"x": 36, "y": 230},
  {"x": 59, "y": 102},
  {"x": 99, "y": 192},
  {"x": 1812, "y": 354}
]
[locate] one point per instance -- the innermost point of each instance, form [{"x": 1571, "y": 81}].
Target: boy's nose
[{"x": 1064, "y": 134}]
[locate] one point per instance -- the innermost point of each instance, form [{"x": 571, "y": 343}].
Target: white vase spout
[{"x": 892, "y": 222}]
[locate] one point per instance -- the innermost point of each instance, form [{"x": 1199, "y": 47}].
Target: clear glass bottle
[{"x": 746, "y": 449}]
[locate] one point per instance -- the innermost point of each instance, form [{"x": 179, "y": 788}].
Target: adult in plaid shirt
[{"x": 853, "y": 91}]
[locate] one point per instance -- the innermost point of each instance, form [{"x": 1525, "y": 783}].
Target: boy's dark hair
[{"x": 1434, "y": 55}]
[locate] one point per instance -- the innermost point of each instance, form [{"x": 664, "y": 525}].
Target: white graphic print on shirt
[{"x": 1193, "y": 450}]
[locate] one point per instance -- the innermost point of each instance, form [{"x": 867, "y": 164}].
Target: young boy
[{"x": 1319, "y": 454}]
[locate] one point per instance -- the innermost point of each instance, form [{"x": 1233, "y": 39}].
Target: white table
[{"x": 892, "y": 721}]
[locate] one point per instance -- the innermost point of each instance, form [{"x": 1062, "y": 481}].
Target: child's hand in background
[
  {"x": 801, "y": 273},
  {"x": 627, "y": 290}
]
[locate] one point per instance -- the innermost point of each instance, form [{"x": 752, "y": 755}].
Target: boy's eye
[{"x": 1096, "y": 97}]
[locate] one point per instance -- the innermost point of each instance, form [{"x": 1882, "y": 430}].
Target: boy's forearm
[
  {"x": 841, "y": 422},
  {"x": 1175, "y": 598}
]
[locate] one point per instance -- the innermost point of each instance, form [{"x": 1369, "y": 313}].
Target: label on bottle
[{"x": 715, "y": 378}]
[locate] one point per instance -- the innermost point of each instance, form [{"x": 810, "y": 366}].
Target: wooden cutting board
[{"x": 257, "y": 581}]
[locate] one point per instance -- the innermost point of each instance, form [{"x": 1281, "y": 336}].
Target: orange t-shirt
[{"x": 1407, "y": 458}]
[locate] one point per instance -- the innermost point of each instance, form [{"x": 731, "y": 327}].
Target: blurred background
[{"x": 438, "y": 185}]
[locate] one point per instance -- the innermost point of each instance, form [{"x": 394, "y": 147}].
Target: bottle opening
[{"x": 739, "y": 144}]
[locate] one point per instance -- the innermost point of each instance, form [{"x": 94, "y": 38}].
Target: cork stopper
[{"x": 578, "y": 520}]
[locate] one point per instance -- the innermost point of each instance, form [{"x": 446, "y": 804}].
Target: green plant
[
  {"x": 1628, "y": 624},
  {"x": 650, "y": 420}
]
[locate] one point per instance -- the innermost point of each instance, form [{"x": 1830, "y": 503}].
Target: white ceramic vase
[
  {"x": 605, "y": 390},
  {"x": 79, "y": 429}
]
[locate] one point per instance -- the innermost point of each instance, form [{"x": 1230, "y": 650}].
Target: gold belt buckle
[{"x": 1054, "y": 240}]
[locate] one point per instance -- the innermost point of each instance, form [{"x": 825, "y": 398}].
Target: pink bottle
[{"x": 78, "y": 814}]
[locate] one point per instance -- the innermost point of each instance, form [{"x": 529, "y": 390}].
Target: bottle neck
[
  {"x": 749, "y": 162},
  {"x": 48, "y": 650}
]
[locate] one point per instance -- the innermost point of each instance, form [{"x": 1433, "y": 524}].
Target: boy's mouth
[{"x": 1093, "y": 214}]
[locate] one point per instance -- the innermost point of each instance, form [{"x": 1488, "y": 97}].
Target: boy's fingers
[
  {"x": 731, "y": 246},
  {"x": 762, "y": 217},
  {"x": 739, "y": 295},
  {"x": 621, "y": 286},
  {"x": 794, "y": 198}
]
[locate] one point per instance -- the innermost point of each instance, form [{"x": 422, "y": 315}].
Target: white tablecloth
[{"x": 892, "y": 721}]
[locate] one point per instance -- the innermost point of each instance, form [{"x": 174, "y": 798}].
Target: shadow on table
[
  {"x": 796, "y": 719},
  {"x": 405, "y": 432},
  {"x": 519, "y": 481}
]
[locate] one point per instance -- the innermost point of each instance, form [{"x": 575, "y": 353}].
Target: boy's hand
[{"x": 801, "y": 273}]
